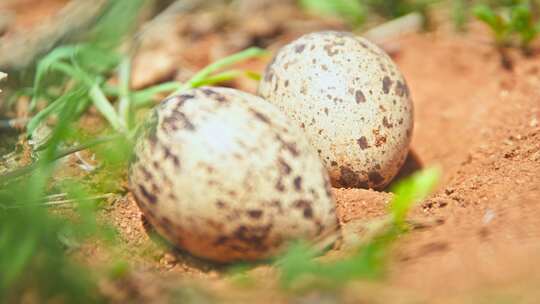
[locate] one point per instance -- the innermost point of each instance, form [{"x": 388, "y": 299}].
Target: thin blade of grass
[
  {"x": 410, "y": 191},
  {"x": 44, "y": 65},
  {"x": 104, "y": 106},
  {"x": 144, "y": 98},
  {"x": 219, "y": 78},
  {"x": 55, "y": 106},
  {"x": 221, "y": 64}
]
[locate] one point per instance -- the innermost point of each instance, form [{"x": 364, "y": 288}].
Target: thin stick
[
  {"x": 59, "y": 202},
  {"x": 396, "y": 27},
  {"x": 29, "y": 168},
  {"x": 15, "y": 123}
]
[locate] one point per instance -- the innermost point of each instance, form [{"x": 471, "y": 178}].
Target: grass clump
[
  {"x": 33, "y": 258},
  {"x": 512, "y": 25},
  {"x": 88, "y": 87},
  {"x": 34, "y": 243}
]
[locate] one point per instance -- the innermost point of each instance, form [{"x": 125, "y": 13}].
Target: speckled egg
[
  {"x": 226, "y": 176},
  {"x": 351, "y": 101}
]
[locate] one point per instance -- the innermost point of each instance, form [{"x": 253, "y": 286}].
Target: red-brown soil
[
  {"x": 479, "y": 234},
  {"x": 477, "y": 238},
  {"x": 479, "y": 122}
]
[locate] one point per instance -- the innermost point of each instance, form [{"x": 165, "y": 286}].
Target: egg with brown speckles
[
  {"x": 350, "y": 99},
  {"x": 226, "y": 176}
]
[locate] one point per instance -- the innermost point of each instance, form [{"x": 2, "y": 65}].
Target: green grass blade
[
  {"x": 73, "y": 72},
  {"x": 43, "y": 114},
  {"x": 412, "y": 190},
  {"x": 105, "y": 108},
  {"x": 219, "y": 78},
  {"x": 145, "y": 97},
  {"x": 221, "y": 64},
  {"x": 96, "y": 94},
  {"x": 44, "y": 65},
  {"x": 498, "y": 25}
]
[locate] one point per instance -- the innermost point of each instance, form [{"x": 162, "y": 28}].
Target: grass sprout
[
  {"x": 515, "y": 22},
  {"x": 498, "y": 23},
  {"x": 300, "y": 270}
]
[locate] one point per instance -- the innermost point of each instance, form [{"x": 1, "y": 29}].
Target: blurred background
[{"x": 82, "y": 74}]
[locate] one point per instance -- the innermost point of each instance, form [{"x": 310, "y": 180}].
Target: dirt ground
[{"x": 478, "y": 237}]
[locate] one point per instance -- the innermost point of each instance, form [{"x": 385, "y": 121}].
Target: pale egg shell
[
  {"x": 350, "y": 99},
  {"x": 226, "y": 176}
]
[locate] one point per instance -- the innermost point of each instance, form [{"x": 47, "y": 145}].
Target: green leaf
[
  {"x": 522, "y": 23},
  {"x": 410, "y": 191},
  {"x": 521, "y": 18},
  {"x": 500, "y": 27},
  {"x": 253, "y": 75}
]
